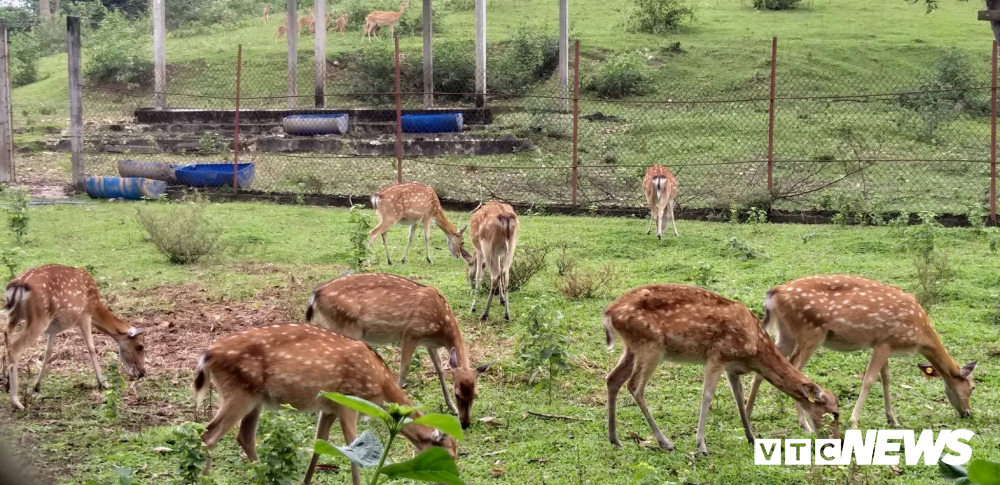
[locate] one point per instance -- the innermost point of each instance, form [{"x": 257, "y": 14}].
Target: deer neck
[
  {"x": 777, "y": 370},
  {"x": 938, "y": 357},
  {"x": 442, "y": 222},
  {"x": 108, "y": 324}
]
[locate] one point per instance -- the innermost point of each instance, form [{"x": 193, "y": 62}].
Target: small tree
[{"x": 545, "y": 346}]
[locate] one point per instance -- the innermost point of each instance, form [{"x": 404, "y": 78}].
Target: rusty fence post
[
  {"x": 236, "y": 121},
  {"x": 399, "y": 120},
  {"x": 770, "y": 117},
  {"x": 993, "y": 137},
  {"x": 576, "y": 116}
]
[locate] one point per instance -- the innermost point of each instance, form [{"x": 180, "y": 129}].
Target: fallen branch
[
  {"x": 493, "y": 453},
  {"x": 556, "y": 416}
]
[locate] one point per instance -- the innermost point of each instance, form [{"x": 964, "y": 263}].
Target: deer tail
[
  {"x": 768, "y": 321},
  {"x": 201, "y": 378},
  {"x": 609, "y": 332},
  {"x": 375, "y": 199},
  {"x": 310, "y": 310},
  {"x": 15, "y": 297}
]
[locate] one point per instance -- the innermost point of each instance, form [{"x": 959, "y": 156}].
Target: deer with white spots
[
  {"x": 687, "y": 324},
  {"x": 292, "y": 364},
  {"x": 409, "y": 204},
  {"x": 386, "y": 309},
  {"x": 52, "y": 299},
  {"x": 660, "y": 187},
  {"x": 493, "y": 229},
  {"x": 850, "y": 313}
]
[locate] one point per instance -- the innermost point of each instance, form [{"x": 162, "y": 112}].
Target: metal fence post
[
  {"x": 236, "y": 120},
  {"x": 399, "y": 118},
  {"x": 576, "y": 116},
  {"x": 292, "y": 36},
  {"x": 993, "y": 136},
  {"x": 6, "y": 128},
  {"x": 770, "y": 118},
  {"x": 159, "y": 55},
  {"x": 75, "y": 100},
  {"x": 319, "y": 53}
]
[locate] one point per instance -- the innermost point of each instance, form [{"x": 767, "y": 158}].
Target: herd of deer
[
  {"x": 374, "y": 22},
  {"x": 291, "y": 363}
]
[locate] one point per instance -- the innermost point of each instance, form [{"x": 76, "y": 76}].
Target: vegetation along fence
[{"x": 789, "y": 139}]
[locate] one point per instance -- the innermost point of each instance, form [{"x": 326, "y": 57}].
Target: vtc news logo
[{"x": 877, "y": 447}]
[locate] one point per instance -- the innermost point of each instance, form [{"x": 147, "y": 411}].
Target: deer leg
[
  {"x": 494, "y": 282},
  {"x": 88, "y": 339},
  {"x": 479, "y": 279},
  {"x": 349, "y": 425},
  {"x": 505, "y": 292},
  {"x": 50, "y": 344},
  {"x": 643, "y": 369},
  {"x": 804, "y": 349},
  {"x": 670, "y": 210},
  {"x": 649, "y": 227},
  {"x": 615, "y": 380},
  {"x": 436, "y": 360},
  {"x": 660, "y": 220},
  {"x": 427, "y": 240},
  {"x": 28, "y": 336},
  {"x": 889, "y": 415},
  {"x": 247, "y": 436},
  {"x": 406, "y": 356},
  {"x": 383, "y": 226},
  {"x": 323, "y": 426},
  {"x": 713, "y": 371},
  {"x": 409, "y": 241},
  {"x": 232, "y": 409},
  {"x": 737, "y": 386},
  {"x": 880, "y": 358}
]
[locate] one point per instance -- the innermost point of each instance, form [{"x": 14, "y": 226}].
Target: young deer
[
  {"x": 493, "y": 228},
  {"x": 386, "y": 309},
  {"x": 282, "y": 30},
  {"x": 52, "y": 299},
  {"x": 307, "y": 22},
  {"x": 849, "y": 313},
  {"x": 408, "y": 204},
  {"x": 660, "y": 187},
  {"x": 340, "y": 25},
  {"x": 693, "y": 325},
  {"x": 381, "y": 18},
  {"x": 267, "y": 13},
  {"x": 292, "y": 364}
]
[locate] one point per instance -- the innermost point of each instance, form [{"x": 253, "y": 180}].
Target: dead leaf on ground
[
  {"x": 896, "y": 470},
  {"x": 496, "y": 472},
  {"x": 491, "y": 421}
]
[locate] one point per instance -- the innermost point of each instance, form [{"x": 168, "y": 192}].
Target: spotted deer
[
  {"x": 52, "y": 299},
  {"x": 307, "y": 22},
  {"x": 340, "y": 25},
  {"x": 493, "y": 228},
  {"x": 408, "y": 204},
  {"x": 660, "y": 187},
  {"x": 386, "y": 309},
  {"x": 687, "y": 324},
  {"x": 292, "y": 364},
  {"x": 282, "y": 30},
  {"x": 380, "y": 18},
  {"x": 849, "y": 313},
  {"x": 266, "y": 12}
]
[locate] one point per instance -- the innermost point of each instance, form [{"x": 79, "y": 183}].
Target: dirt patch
[{"x": 258, "y": 268}]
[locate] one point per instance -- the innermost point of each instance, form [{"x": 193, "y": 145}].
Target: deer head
[
  {"x": 132, "y": 350},
  {"x": 455, "y": 242},
  {"x": 465, "y": 387},
  {"x": 957, "y": 387},
  {"x": 819, "y": 402}
]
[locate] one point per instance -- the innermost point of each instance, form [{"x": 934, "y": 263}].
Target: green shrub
[
  {"x": 180, "y": 231},
  {"x": 620, "y": 76},
  {"x": 280, "y": 450},
  {"x": 529, "y": 261},
  {"x": 24, "y": 55},
  {"x": 545, "y": 345},
  {"x": 192, "y": 456},
  {"x": 119, "y": 53},
  {"x": 359, "y": 225},
  {"x": 775, "y": 4},
  {"x": 659, "y": 16},
  {"x": 17, "y": 214},
  {"x": 945, "y": 93},
  {"x": 527, "y": 57},
  {"x": 461, "y": 5}
]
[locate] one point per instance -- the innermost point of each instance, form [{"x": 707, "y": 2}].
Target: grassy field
[{"x": 275, "y": 255}]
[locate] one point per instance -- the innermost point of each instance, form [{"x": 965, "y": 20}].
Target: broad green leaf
[
  {"x": 446, "y": 423},
  {"x": 323, "y": 447},
  {"x": 951, "y": 472},
  {"x": 433, "y": 465},
  {"x": 984, "y": 472},
  {"x": 359, "y": 405}
]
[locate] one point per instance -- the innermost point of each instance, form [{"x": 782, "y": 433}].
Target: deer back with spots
[
  {"x": 54, "y": 298},
  {"x": 410, "y": 204},
  {"x": 386, "y": 309},
  {"x": 660, "y": 187},
  {"x": 494, "y": 229},
  {"x": 292, "y": 364},
  {"x": 850, "y": 313}
]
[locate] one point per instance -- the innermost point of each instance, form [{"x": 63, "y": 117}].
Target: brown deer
[
  {"x": 693, "y": 325},
  {"x": 291, "y": 364},
  {"x": 408, "y": 204},
  {"x": 660, "y": 187},
  {"x": 493, "y": 229},
  {"x": 267, "y": 13},
  {"x": 282, "y": 30},
  {"x": 381, "y": 18},
  {"x": 340, "y": 25},
  {"x": 52, "y": 299},
  {"x": 386, "y": 309},
  {"x": 849, "y": 313},
  {"x": 307, "y": 22}
]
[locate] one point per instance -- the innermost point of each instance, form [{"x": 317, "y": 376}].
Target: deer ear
[
  {"x": 133, "y": 332},
  {"x": 453, "y": 359},
  {"x": 437, "y": 436},
  {"x": 928, "y": 371},
  {"x": 814, "y": 393},
  {"x": 967, "y": 370},
  {"x": 462, "y": 230},
  {"x": 485, "y": 367}
]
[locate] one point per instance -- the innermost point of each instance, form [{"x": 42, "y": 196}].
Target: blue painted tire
[
  {"x": 215, "y": 175},
  {"x": 308, "y": 125},
  {"x": 432, "y": 123},
  {"x": 131, "y": 188}
]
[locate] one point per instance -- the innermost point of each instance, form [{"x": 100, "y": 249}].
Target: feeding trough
[
  {"x": 131, "y": 188},
  {"x": 215, "y": 175},
  {"x": 319, "y": 124},
  {"x": 149, "y": 170},
  {"x": 432, "y": 123}
]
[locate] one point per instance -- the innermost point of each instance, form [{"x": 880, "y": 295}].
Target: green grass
[{"x": 73, "y": 442}]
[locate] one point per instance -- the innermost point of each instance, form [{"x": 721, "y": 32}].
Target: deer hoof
[
  {"x": 17, "y": 405},
  {"x": 484, "y": 317},
  {"x": 37, "y": 388},
  {"x": 614, "y": 441}
]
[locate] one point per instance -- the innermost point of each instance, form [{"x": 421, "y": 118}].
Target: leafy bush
[
  {"x": 192, "y": 456},
  {"x": 116, "y": 384},
  {"x": 931, "y": 264},
  {"x": 360, "y": 225},
  {"x": 620, "y": 76},
  {"x": 659, "y": 16},
  {"x": 579, "y": 283},
  {"x": 528, "y": 57},
  {"x": 280, "y": 452},
  {"x": 17, "y": 214},
  {"x": 199, "y": 15},
  {"x": 703, "y": 274},
  {"x": 123, "y": 476},
  {"x": 180, "y": 231},
  {"x": 120, "y": 53},
  {"x": 565, "y": 262},
  {"x": 744, "y": 250},
  {"x": 24, "y": 55},
  {"x": 10, "y": 258},
  {"x": 946, "y": 92},
  {"x": 775, "y": 4},
  {"x": 545, "y": 346},
  {"x": 462, "y": 5},
  {"x": 529, "y": 260}
]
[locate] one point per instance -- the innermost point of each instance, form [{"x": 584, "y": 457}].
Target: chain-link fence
[{"x": 784, "y": 138}]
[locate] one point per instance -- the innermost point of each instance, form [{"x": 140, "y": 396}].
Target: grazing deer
[
  {"x": 693, "y": 325},
  {"x": 660, "y": 187},
  {"x": 307, "y": 22},
  {"x": 52, "y": 299},
  {"x": 493, "y": 228},
  {"x": 291, "y": 364},
  {"x": 849, "y": 313},
  {"x": 267, "y": 13},
  {"x": 381, "y": 18},
  {"x": 340, "y": 25},
  {"x": 282, "y": 29},
  {"x": 408, "y": 204},
  {"x": 386, "y": 309}
]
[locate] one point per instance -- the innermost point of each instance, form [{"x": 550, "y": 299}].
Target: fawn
[
  {"x": 408, "y": 204},
  {"x": 493, "y": 228},
  {"x": 660, "y": 187}
]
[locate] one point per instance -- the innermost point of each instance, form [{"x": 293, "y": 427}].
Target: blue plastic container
[
  {"x": 432, "y": 123},
  {"x": 215, "y": 175},
  {"x": 319, "y": 124},
  {"x": 131, "y": 188}
]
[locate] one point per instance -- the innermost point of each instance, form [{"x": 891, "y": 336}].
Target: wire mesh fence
[{"x": 786, "y": 139}]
